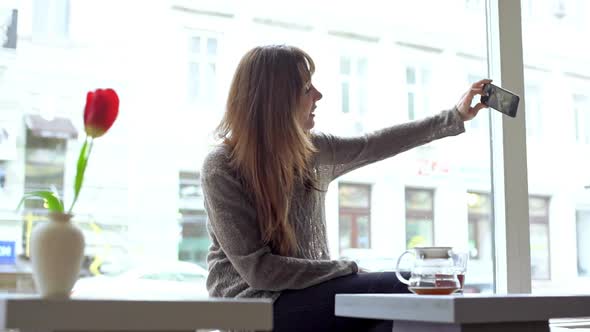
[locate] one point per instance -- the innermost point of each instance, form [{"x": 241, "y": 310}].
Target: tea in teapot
[{"x": 433, "y": 271}]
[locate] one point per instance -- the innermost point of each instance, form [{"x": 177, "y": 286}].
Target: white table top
[
  {"x": 460, "y": 309},
  {"x": 34, "y": 313}
]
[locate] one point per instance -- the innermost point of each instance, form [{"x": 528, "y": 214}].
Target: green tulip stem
[{"x": 82, "y": 162}]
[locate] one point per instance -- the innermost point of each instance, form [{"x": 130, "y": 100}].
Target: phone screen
[{"x": 500, "y": 99}]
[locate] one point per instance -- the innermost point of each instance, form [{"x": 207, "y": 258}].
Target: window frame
[{"x": 512, "y": 268}]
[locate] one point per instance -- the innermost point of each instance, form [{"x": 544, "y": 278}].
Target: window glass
[
  {"x": 2, "y": 175},
  {"x": 195, "y": 44},
  {"x": 345, "y": 65},
  {"x": 212, "y": 46},
  {"x": 480, "y": 226},
  {"x": 202, "y": 74},
  {"x": 582, "y": 118},
  {"x": 354, "y": 216},
  {"x": 353, "y": 76},
  {"x": 419, "y": 217},
  {"x": 583, "y": 245},
  {"x": 557, "y": 81},
  {"x": 172, "y": 62},
  {"x": 345, "y": 97},
  {"x": 534, "y": 110}
]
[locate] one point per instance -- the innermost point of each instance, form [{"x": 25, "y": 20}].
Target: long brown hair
[{"x": 269, "y": 148}]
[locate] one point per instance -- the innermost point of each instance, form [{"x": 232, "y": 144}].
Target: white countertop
[
  {"x": 461, "y": 309},
  {"x": 35, "y": 313}
]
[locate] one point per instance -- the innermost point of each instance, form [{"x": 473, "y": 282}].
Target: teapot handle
[{"x": 397, "y": 273}]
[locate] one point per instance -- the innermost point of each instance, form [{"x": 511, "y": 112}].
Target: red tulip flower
[
  {"x": 100, "y": 112},
  {"x": 102, "y": 108}
]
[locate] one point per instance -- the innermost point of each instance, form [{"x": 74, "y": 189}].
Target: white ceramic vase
[{"x": 57, "y": 251}]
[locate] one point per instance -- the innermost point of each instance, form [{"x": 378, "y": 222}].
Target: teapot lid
[{"x": 433, "y": 252}]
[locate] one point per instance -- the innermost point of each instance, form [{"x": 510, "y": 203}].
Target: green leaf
[{"x": 53, "y": 202}]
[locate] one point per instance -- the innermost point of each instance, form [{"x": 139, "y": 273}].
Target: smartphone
[{"x": 500, "y": 99}]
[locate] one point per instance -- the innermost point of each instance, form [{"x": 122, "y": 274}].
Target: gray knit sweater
[{"x": 241, "y": 265}]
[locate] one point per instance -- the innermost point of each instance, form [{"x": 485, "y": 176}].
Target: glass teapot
[{"x": 433, "y": 271}]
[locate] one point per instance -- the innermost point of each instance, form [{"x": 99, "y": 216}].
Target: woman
[{"x": 265, "y": 185}]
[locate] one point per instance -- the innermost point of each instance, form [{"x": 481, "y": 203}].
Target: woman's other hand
[{"x": 464, "y": 105}]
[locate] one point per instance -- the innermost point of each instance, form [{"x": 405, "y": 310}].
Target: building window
[
  {"x": 533, "y": 110},
  {"x": 189, "y": 185},
  {"x": 479, "y": 207},
  {"x": 583, "y": 234},
  {"x": 582, "y": 118},
  {"x": 2, "y": 175},
  {"x": 44, "y": 166},
  {"x": 560, "y": 10},
  {"x": 195, "y": 241},
  {"x": 353, "y": 83},
  {"x": 202, "y": 68},
  {"x": 539, "y": 226},
  {"x": 354, "y": 201},
  {"x": 8, "y": 27},
  {"x": 51, "y": 19},
  {"x": 476, "y": 5},
  {"x": 419, "y": 217},
  {"x": 417, "y": 83}
]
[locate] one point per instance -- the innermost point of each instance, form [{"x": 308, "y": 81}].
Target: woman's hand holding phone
[{"x": 464, "y": 107}]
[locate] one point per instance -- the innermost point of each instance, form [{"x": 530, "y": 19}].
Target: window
[
  {"x": 583, "y": 234},
  {"x": 194, "y": 241},
  {"x": 8, "y": 27},
  {"x": 202, "y": 69},
  {"x": 480, "y": 242},
  {"x": 417, "y": 83},
  {"x": 2, "y": 175},
  {"x": 190, "y": 187},
  {"x": 44, "y": 168},
  {"x": 582, "y": 118},
  {"x": 533, "y": 110},
  {"x": 480, "y": 225},
  {"x": 354, "y": 215},
  {"x": 51, "y": 19},
  {"x": 165, "y": 59},
  {"x": 561, "y": 135},
  {"x": 539, "y": 223},
  {"x": 353, "y": 83},
  {"x": 419, "y": 217},
  {"x": 474, "y": 4}
]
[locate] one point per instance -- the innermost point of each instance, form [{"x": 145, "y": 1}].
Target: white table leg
[{"x": 410, "y": 326}]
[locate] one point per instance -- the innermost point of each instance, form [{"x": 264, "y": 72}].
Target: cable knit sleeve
[
  {"x": 232, "y": 219},
  {"x": 347, "y": 154}
]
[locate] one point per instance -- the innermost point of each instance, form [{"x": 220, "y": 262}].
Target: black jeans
[{"x": 312, "y": 308}]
